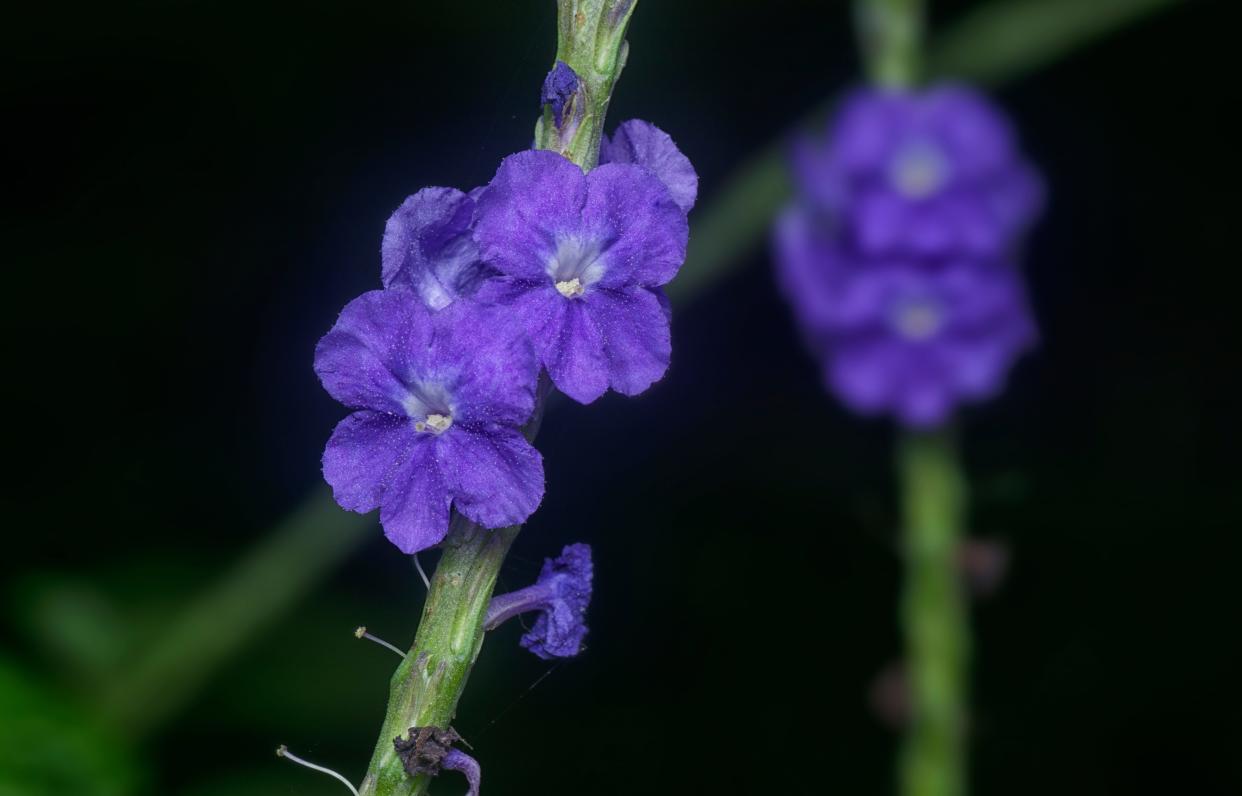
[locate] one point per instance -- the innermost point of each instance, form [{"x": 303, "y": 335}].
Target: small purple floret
[
  {"x": 561, "y": 594},
  {"x": 582, "y": 258},
  {"x": 428, "y": 247},
  {"x": 558, "y": 89},
  {"x": 646, "y": 145},
  {"x": 442, "y": 397},
  {"x": 457, "y": 760},
  {"x": 914, "y": 338},
  {"x": 921, "y": 173}
]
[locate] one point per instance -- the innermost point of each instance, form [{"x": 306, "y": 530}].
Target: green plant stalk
[
  {"x": 428, "y": 684},
  {"x": 1001, "y": 41},
  {"x": 934, "y": 616},
  {"x": 590, "y": 39},
  {"x": 891, "y": 35}
]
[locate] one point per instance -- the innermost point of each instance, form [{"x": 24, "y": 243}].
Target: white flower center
[
  {"x": 918, "y": 320},
  {"x": 919, "y": 170},
  {"x": 575, "y": 266},
  {"x": 570, "y": 288},
  {"x": 435, "y": 423}
]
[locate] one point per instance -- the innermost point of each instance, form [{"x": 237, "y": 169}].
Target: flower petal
[
  {"x": 494, "y": 474},
  {"x": 497, "y": 370},
  {"x": 361, "y": 361},
  {"x": 415, "y": 510},
  {"x": 535, "y": 198},
  {"x": 364, "y": 453},
  {"x": 646, "y": 145},
  {"x": 643, "y": 230},
  {"x": 428, "y": 247},
  {"x": 635, "y": 329},
  {"x": 574, "y": 351}
]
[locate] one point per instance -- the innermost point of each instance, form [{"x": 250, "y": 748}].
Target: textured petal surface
[
  {"x": 415, "y": 508},
  {"x": 494, "y": 475},
  {"x": 574, "y": 354},
  {"x": 535, "y": 199},
  {"x": 428, "y": 247},
  {"x": 363, "y": 456},
  {"x": 488, "y": 364},
  {"x": 643, "y": 230},
  {"x": 646, "y": 145},
  {"x": 364, "y": 360},
  {"x": 634, "y": 325}
]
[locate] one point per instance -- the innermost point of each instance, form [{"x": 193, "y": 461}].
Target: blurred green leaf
[{"x": 50, "y": 746}]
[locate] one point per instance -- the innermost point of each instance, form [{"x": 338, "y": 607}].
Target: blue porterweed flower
[
  {"x": 561, "y": 594},
  {"x": 920, "y": 173},
  {"x": 644, "y": 144},
  {"x": 582, "y": 258},
  {"x": 441, "y": 397},
  {"x": 428, "y": 247},
  {"x": 903, "y": 335}
]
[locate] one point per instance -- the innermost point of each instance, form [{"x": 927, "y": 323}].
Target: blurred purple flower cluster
[
  {"x": 899, "y": 254},
  {"x": 545, "y": 269}
]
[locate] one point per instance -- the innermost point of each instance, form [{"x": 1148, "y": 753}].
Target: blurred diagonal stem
[
  {"x": 999, "y": 41},
  {"x": 934, "y": 615}
]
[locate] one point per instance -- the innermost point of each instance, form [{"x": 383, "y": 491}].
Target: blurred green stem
[
  {"x": 934, "y": 616},
  {"x": 891, "y": 35},
  {"x": 999, "y": 41},
  {"x": 261, "y": 587}
]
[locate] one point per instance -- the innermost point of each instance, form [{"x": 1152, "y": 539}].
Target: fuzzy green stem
[
  {"x": 891, "y": 35},
  {"x": 590, "y": 40},
  {"x": 934, "y": 616},
  {"x": 428, "y": 684}
]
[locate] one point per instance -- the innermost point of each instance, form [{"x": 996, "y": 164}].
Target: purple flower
[
  {"x": 428, "y": 247},
  {"x": 561, "y": 593},
  {"x": 910, "y": 337},
  {"x": 646, "y": 145},
  {"x": 442, "y": 397},
  {"x": 582, "y": 258},
  {"x": 924, "y": 173},
  {"x": 559, "y": 88}
]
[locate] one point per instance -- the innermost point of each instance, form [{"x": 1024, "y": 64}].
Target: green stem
[
  {"x": 590, "y": 39},
  {"x": 934, "y": 616},
  {"x": 428, "y": 684},
  {"x": 891, "y": 33}
]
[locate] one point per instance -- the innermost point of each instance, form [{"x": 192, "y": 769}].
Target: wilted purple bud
[
  {"x": 457, "y": 760},
  {"x": 560, "y": 88},
  {"x": 561, "y": 593},
  {"x": 933, "y": 172}
]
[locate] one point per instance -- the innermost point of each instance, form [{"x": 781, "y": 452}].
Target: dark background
[{"x": 194, "y": 189}]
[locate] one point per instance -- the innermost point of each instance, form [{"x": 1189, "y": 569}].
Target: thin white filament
[
  {"x": 361, "y": 632},
  {"x": 419, "y": 566},
  {"x": 283, "y": 751}
]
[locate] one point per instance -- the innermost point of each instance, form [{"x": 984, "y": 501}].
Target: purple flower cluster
[
  {"x": 898, "y": 255},
  {"x": 545, "y": 269}
]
